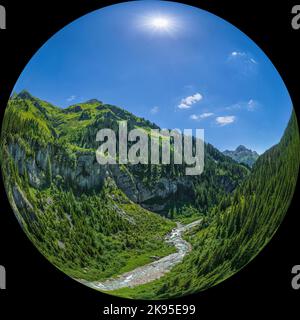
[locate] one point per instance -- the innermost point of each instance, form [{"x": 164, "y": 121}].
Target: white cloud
[
  {"x": 242, "y": 57},
  {"x": 223, "y": 121},
  {"x": 154, "y": 110},
  {"x": 201, "y": 116},
  {"x": 249, "y": 105},
  {"x": 237, "y": 54},
  {"x": 187, "y": 102},
  {"x": 71, "y": 98},
  {"x": 194, "y": 117}
]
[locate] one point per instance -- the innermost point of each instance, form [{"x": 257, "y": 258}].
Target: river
[{"x": 153, "y": 270}]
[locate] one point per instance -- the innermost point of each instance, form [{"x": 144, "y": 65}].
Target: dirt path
[{"x": 153, "y": 270}]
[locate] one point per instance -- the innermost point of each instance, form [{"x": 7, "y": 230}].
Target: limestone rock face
[{"x": 82, "y": 171}]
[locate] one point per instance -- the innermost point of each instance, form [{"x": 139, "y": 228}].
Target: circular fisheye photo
[{"x": 150, "y": 150}]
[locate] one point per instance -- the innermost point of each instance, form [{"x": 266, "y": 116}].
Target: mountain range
[
  {"x": 71, "y": 133},
  {"x": 242, "y": 155}
]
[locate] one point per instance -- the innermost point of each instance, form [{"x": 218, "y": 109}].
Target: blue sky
[{"x": 176, "y": 65}]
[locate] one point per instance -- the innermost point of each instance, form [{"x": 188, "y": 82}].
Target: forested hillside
[
  {"x": 92, "y": 235},
  {"x": 87, "y": 218},
  {"x": 240, "y": 226}
]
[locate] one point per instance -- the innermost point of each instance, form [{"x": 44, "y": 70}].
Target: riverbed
[{"x": 153, "y": 270}]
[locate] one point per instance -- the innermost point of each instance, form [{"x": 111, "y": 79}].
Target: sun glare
[{"x": 160, "y": 23}]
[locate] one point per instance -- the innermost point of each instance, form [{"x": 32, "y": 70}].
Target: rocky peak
[
  {"x": 24, "y": 95},
  {"x": 242, "y": 155},
  {"x": 94, "y": 101},
  {"x": 241, "y": 148}
]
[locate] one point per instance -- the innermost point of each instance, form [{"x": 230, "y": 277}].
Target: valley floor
[{"x": 154, "y": 270}]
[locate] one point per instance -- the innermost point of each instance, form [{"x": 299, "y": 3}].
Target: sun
[{"x": 160, "y": 23}]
